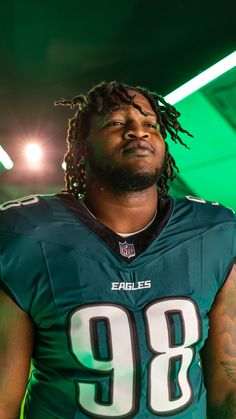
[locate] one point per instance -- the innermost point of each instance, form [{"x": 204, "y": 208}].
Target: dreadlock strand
[{"x": 62, "y": 102}]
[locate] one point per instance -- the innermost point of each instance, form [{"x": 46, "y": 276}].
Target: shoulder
[
  {"x": 27, "y": 201},
  {"x": 202, "y": 211},
  {"x": 212, "y": 227},
  {"x": 25, "y": 213},
  {"x": 194, "y": 217}
]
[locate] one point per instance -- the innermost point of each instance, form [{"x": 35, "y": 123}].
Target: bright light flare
[{"x": 33, "y": 153}]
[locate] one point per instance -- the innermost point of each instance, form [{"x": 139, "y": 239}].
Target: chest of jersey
[
  {"x": 128, "y": 334},
  {"x": 117, "y": 339}
]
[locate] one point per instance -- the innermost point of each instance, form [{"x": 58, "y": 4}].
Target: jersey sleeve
[
  {"x": 22, "y": 262},
  {"x": 21, "y": 266},
  {"x": 218, "y": 225}
]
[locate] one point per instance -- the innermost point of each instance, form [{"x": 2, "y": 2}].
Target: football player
[{"x": 122, "y": 297}]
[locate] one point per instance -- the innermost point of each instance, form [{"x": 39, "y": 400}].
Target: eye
[
  {"x": 115, "y": 123},
  {"x": 152, "y": 125}
]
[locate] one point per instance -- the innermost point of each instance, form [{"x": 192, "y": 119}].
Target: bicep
[
  {"x": 16, "y": 344},
  {"x": 219, "y": 353}
]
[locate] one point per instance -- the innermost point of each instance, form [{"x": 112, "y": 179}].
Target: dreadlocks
[{"x": 101, "y": 99}]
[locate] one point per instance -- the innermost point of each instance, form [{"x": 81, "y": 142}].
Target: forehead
[
  {"x": 139, "y": 100},
  {"x": 142, "y": 101}
]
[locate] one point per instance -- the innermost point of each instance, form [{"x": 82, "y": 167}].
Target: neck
[{"x": 125, "y": 212}]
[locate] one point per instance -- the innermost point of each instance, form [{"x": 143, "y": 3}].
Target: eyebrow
[{"x": 118, "y": 108}]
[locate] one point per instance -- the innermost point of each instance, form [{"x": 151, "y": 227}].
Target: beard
[{"x": 121, "y": 179}]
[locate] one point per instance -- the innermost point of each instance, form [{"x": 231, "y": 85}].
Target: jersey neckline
[{"x": 128, "y": 248}]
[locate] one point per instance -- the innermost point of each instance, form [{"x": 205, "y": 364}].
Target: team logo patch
[{"x": 127, "y": 249}]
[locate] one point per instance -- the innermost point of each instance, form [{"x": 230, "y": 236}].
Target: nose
[{"x": 136, "y": 131}]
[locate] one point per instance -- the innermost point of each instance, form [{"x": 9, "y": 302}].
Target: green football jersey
[{"x": 119, "y": 322}]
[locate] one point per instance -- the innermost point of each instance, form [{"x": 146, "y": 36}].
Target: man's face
[{"x": 124, "y": 149}]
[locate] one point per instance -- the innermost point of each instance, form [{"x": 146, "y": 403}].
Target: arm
[
  {"x": 16, "y": 343},
  {"x": 219, "y": 353}
]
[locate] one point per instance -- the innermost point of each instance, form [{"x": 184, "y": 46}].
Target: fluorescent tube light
[
  {"x": 5, "y": 159},
  {"x": 202, "y": 79}
]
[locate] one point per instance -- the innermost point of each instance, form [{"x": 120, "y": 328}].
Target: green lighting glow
[
  {"x": 202, "y": 79},
  {"x": 5, "y": 159}
]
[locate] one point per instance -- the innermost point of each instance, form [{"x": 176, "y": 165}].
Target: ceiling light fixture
[
  {"x": 5, "y": 159},
  {"x": 202, "y": 79}
]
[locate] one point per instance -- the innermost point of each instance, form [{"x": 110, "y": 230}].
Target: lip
[{"x": 135, "y": 145}]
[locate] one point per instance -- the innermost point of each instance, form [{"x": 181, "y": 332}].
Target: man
[{"x": 107, "y": 286}]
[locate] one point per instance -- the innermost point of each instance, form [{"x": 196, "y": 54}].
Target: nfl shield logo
[{"x": 127, "y": 250}]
